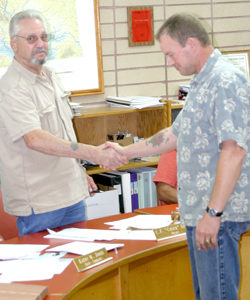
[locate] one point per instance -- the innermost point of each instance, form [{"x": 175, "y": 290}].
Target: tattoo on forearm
[
  {"x": 74, "y": 146},
  {"x": 157, "y": 139}
]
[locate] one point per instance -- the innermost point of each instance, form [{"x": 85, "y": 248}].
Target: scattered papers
[
  {"x": 134, "y": 101},
  {"x": 81, "y": 234},
  {"x": 32, "y": 269},
  {"x": 99, "y": 234},
  {"x": 143, "y": 227},
  {"x": 142, "y": 222},
  {"x": 135, "y": 228},
  {"x": 24, "y": 263},
  {"x": 83, "y": 248},
  {"x": 17, "y": 251}
]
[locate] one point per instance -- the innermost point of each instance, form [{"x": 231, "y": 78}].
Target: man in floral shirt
[{"x": 212, "y": 138}]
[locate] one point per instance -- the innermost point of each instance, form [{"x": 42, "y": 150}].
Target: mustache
[{"x": 41, "y": 49}]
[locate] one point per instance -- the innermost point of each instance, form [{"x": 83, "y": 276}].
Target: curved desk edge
[{"x": 162, "y": 259}]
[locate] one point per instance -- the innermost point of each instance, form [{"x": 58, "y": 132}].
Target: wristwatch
[{"x": 213, "y": 212}]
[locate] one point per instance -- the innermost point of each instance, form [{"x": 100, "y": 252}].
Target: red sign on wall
[{"x": 140, "y": 25}]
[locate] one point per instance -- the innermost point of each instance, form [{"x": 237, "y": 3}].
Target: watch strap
[{"x": 213, "y": 212}]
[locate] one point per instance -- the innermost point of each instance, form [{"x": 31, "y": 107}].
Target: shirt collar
[
  {"x": 32, "y": 77},
  {"x": 207, "y": 68}
]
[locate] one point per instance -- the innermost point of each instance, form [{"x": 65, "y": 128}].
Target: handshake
[{"x": 112, "y": 155}]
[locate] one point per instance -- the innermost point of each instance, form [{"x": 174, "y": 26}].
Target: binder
[
  {"x": 143, "y": 187},
  {"x": 147, "y": 195},
  {"x": 140, "y": 189},
  {"x": 126, "y": 189},
  {"x": 152, "y": 187},
  {"x": 134, "y": 190},
  {"x": 146, "y": 189}
]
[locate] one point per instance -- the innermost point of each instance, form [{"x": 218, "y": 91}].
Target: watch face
[{"x": 212, "y": 212}]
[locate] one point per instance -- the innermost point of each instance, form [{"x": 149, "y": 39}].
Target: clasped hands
[{"x": 112, "y": 156}]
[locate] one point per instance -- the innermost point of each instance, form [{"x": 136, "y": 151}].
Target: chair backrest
[{"x": 8, "y": 227}]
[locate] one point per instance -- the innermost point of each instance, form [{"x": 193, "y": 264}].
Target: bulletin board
[{"x": 240, "y": 59}]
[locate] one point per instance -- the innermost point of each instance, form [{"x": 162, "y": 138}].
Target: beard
[{"x": 39, "y": 61}]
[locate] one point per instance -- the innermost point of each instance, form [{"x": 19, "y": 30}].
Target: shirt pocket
[{"x": 49, "y": 119}]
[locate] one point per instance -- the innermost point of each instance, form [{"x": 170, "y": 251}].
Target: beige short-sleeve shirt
[{"x": 30, "y": 179}]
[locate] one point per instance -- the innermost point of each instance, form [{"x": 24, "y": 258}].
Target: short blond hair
[{"x": 182, "y": 26}]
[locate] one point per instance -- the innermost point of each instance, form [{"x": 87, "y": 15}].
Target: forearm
[
  {"x": 227, "y": 174},
  {"x": 166, "y": 193},
  {"x": 163, "y": 141},
  {"x": 45, "y": 142}
]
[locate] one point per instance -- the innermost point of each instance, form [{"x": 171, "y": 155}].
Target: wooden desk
[
  {"x": 142, "y": 270},
  {"x": 150, "y": 162},
  {"x": 244, "y": 248},
  {"x": 157, "y": 210}
]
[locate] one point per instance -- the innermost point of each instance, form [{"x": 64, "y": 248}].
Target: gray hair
[
  {"x": 182, "y": 26},
  {"x": 25, "y": 14}
]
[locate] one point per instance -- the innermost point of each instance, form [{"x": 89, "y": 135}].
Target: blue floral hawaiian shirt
[{"x": 217, "y": 109}]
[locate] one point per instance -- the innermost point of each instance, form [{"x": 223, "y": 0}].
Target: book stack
[
  {"x": 77, "y": 108},
  {"x": 134, "y": 101}
]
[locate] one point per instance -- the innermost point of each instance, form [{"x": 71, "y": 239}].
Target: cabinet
[
  {"x": 173, "y": 109},
  {"x": 93, "y": 126}
]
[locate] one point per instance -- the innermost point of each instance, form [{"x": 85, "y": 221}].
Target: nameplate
[
  {"x": 169, "y": 231},
  {"x": 92, "y": 259}
]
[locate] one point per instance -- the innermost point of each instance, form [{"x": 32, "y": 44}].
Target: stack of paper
[
  {"x": 77, "y": 108},
  {"x": 134, "y": 101}
]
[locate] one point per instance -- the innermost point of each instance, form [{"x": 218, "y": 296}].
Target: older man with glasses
[{"x": 41, "y": 179}]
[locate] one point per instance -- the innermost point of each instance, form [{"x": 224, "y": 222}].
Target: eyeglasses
[{"x": 32, "y": 39}]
